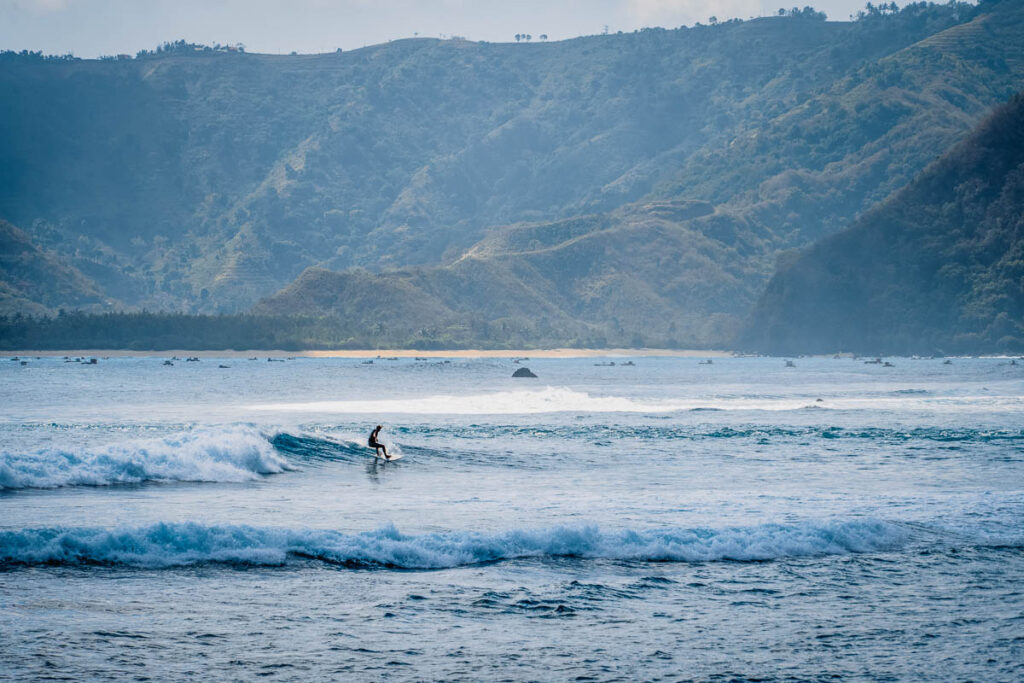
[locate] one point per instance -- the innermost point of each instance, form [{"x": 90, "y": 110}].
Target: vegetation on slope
[
  {"x": 938, "y": 268},
  {"x": 146, "y": 331},
  {"x": 198, "y": 179},
  {"x": 31, "y": 279},
  {"x": 635, "y": 277},
  {"x": 478, "y": 192},
  {"x": 159, "y": 331}
]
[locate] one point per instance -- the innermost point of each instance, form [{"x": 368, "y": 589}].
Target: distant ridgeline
[
  {"x": 632, "y": 189},
  {"x": 937, "y": 268}
]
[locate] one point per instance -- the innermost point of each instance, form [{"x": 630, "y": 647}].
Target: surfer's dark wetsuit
[{"x": 373, "y": 443}]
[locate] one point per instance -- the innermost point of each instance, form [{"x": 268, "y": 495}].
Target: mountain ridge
[{"x": 419, "y": 153}]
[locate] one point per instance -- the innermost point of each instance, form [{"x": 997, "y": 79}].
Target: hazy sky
[{"x": 89, "y": 28}]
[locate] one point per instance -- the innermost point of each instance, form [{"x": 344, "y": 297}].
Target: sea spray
[{"x": 231, "y": 454}]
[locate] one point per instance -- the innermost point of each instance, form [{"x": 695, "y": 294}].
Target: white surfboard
[{"x": 394, "y": 456}]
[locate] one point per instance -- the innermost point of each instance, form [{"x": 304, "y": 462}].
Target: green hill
[
  {"x": 938, "y": 268},
  {"x": 634, "y": 277},
  {"x": 686, "y": 272},
  {"x": 202, "y": 180},
  {"x": 35, "y": 282}
]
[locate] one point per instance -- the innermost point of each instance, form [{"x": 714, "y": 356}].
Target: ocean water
[{"x": 663, "y": 521}]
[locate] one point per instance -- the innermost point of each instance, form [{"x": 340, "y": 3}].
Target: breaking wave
[
  {"x": 520, "y": 402},
  {"x": 182, "y": 544},
  {"x": 552, "y": 399},
  {"x": 224, "y": 455}
]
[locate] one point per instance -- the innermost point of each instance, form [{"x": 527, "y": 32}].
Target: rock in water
[{"x": 523, "y": 372}]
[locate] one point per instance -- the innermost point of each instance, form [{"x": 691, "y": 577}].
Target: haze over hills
[
  {"x": 35, "y": 279},
  {"x": 938, "y": 268},
  {"x": 625, "y": 188},
  {"x": 638, "y": 276}
]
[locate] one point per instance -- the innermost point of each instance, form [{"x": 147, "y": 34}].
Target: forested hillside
[
  {"x": 937, "y": 269},
  {"x": 31, "y": 280},
  {"x": 202, "y": 180}
]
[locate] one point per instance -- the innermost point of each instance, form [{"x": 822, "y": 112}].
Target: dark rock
[{"x": 523, "y": 372}]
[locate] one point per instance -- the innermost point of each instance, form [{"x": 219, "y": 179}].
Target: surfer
[{"x": 376, "y": 444}]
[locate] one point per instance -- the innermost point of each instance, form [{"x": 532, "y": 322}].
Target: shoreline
[{"x": 379, "y": 353}]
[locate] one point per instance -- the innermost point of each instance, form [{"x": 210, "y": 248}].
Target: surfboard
[{"x": 394, "y": 456}]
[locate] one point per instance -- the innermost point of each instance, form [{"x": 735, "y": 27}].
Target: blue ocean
[{"x": 662, "y": 520}]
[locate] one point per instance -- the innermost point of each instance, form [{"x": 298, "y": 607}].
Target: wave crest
[
  {"x": 555, "y": 399},
  {"x": 518, "y": 402},
  {"x": 182, "y": 544},
  {"x": 227, "y": 455}
]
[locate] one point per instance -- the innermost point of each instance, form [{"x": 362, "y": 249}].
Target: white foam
[
  {"x": 520, "y": 402},
  {"x": 223, "y": 455},
  {"x": 168, "y": 545},
  {"x": 563, "y": 399}
]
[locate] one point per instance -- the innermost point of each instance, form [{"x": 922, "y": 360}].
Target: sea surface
[{"x": 667, "y": 520}]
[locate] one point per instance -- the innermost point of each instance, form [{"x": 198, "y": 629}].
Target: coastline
[{"x": 378, "y": 353}]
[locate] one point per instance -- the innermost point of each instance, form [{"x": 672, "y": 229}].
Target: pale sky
[{"x": 89, "y": 28}]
